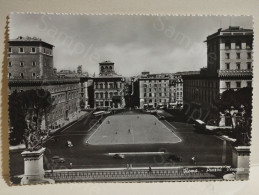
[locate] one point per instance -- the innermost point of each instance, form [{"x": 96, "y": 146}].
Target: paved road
[{"x": 207, "y": 149}]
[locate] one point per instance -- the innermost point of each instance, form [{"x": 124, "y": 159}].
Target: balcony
[{"x": 235, "y": 73}]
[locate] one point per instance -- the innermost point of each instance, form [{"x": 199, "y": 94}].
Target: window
[
  {"x": 249, "y": 55},
  {"x": 249, "y": 84},
  {"x": 33, "y": 63},
  {"x": 238, "y": 66},
  {"x": 227, "y": 45},
  {"x": 238, "y": 55},
  {"x": 145, "y": 94},
  {"x": 249, "y": 66},
  {"x": 33, "y": 50},
  {"x": 97, "y": 95},
  {"x": 21, "y": 50},
  {"x": 9, "y": 75},
  {"x": 21, "y": 75},
  {"x": 238, "y": 45},
  {"x": 33, "y": 74},
  {"x": 150, "y": 94},
  {"x": 228, "y": 85},
  {"x": 9, "y": 64},
  {"x": 238, "y": 83},
  {"x": 44, "y": 50},
  {"x": 227, "y": 66},
  {"x": 227, "y": 55},
  {"x": 249, "y": 45},
  {"x": 10, "y": 50},
  {"x": 22, "y": 64}
]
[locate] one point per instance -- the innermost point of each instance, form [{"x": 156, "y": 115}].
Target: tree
[
  {"x": 26, "y": 111},
  {"x": 116, "y": 100},
  {"x": 240, "y": 100}
]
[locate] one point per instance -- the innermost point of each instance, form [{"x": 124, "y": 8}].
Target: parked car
[
  {"x": 69, "y": 144},
  {"x": 57, "y": 159},
  {"x": 199, "y": 125},
  {"x": 161, "y": 117},
  {"x": 174, "y": 158},
  {"x": 119, "y": 156}
]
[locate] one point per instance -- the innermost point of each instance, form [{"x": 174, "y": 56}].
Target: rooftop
[
  {"x": 231, "y": 31},
  {"x": 106, "y": 62},
  {"x": 28, "y": 39}
]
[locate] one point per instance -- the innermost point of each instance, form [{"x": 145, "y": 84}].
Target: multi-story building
[
  {"x": 30, "y": 58},
  {"x": 108, "y": 87},
  {"x": 176, "y": 89},
  {"x": 151, "y": 90},
  {"x": 229, "y": 66},
  {"x": 229, "y": 54},
  {"x": 65, "y": 93},
  {"x": 31, "y": 67}
]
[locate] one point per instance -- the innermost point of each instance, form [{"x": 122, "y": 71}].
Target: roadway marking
[
  {"x": 136, "y": 153},
  {"x": 170, "y": 125},
  {"x": 170, "y": 130},
  {"x": 95, "y": 130}
]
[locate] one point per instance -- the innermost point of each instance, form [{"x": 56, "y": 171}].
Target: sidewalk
[{"x": 79, "y": 117}]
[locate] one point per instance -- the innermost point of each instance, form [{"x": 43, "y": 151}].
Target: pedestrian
[
  {"x": 150, "y": 169},
  {"x": 70, "y": 165},
  {"x": 193, "y": 160},
  {"x": 129, "y": 131}
]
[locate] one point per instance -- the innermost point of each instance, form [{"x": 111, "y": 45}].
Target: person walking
[{"x": 194, "y": 160}]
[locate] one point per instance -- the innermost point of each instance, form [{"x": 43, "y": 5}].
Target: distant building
[
  {"x": 108, "y": 87},
  {"x": 176, "y": 89},
  {"x": 31, "y": 67},
  {"x": 30, "y": 58},
  {"x": 151, "y": 90},
  {"x": 229, "y": 66}
]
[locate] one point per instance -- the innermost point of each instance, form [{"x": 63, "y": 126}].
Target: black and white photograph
[{"x": 129, "y": 98}]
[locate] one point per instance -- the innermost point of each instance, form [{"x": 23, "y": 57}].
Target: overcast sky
[{"x": 159, "y": 44}]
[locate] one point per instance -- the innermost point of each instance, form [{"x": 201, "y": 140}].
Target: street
[{"x": 207, "y": 149}]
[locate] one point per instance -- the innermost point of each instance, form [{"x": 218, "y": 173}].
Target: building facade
[
  {"x": 229, "y": 66},
  {"x": 30, "y": 58},
  {"x": 108, "y": 87},
  {"x": 31, "y": 67},
  {"x": 151, "y": 90},
  {"x": 176, "y": 89},
  {"x": 229, "y": 54}
]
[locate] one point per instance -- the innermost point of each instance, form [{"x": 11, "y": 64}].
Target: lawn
[{"x": 132, "y": 129}]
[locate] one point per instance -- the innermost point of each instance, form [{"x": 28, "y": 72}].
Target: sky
[{"x": 158, "y": 44}]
